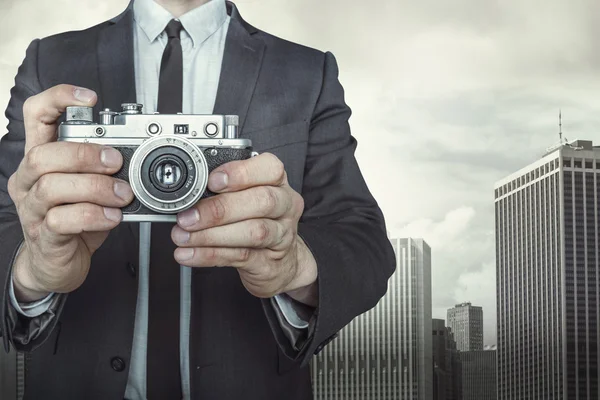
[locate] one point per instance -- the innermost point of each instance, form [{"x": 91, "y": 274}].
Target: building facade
[
  {"x": 478, "y": 374},
  {"x": 385, "y": 353},
  {"x": 466, "y": 322},
  {"x": 447, "y": 376},
  {"x": 547, "y": 227}
]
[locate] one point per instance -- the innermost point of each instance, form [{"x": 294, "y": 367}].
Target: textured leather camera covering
[
  {"x": 123, "y": 173},
  {"x": 222, "y": 156}
]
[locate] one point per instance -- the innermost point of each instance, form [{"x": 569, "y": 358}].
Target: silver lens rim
[{"x": 198, "y": 186}]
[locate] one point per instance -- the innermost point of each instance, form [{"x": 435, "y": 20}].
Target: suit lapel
[
  {"x": 115, "y": 62},
  {"x": 242, "y": 60}
]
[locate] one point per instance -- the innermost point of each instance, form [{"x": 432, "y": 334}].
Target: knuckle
[
  {"x": 33, "y": 159},
  {"x": 87, "y": 216},
  {"x": 53, "y": 222},
  {"x": 216, "y": 209},
  {"x": 278, "y": 168},
  {"x": 298, "y": 205},
  {"x": 243, "y": 255},
  {"x": 283, "y": 237},
  {"x": 277, "y": 256},
  {"x": 269, "y": 199},
  {"x": 29, "y": 106},
  {"x": 42, "y": 188},
  {"x": 201, "y": 238},
  {"x": 46, "y": 114},
  {"x": 240, "y": 173},
  {"x": 98, "y": 184},
  {"x": 211, "y": 255},
  {"x": 260, "y": 233},
  {"x": 83, "y": 154}
]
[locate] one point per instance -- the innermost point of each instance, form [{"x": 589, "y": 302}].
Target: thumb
[{"x": 41, "y": 112}]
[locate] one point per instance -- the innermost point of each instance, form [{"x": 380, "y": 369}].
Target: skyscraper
[
  {"x": 478, "y": 374},
  {"x": 547, "y": 227},
  {"x": 386, "y": 352},
  {"x": 466, "y": 322},
  {"x": 447, "y": 372}
]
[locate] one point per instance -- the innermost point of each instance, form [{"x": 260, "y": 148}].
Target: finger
[
  {"x": 55, "y": 189},
  {"x": 258, "y": 202},
  {"x": 67, "y": 157},
  {"x": 217, "y": 256},
  {"x": 254, "y": 233},
  {"x": 41, "y": 112},
  {"x": 73, "y": 219},
  {"x": 263, "y": 170}
]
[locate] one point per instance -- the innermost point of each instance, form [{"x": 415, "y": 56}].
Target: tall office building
[
  {"x": 466, "y": 322},
  {"x": 386, "y": 352},
  {"x": 447, "y": 371},
  {"x": 478, "y": 374},
  {"x": 547, "y": 227}
]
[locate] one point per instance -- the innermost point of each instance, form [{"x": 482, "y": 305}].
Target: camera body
[{"x": 166, "y": 158}]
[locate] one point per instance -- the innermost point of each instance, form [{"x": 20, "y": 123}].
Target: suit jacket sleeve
[
  {"x": 23, "y": 332},
  {"x": 342, "y": 225}
]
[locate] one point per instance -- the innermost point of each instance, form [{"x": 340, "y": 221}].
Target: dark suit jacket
[{"x": 291, "y": 104}]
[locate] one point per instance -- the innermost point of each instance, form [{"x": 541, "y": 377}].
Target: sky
[{"x": 448, "y": 97}]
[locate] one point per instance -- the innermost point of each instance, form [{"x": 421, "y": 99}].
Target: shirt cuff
[
  {"x": 33, "y": 309},
  {"x": 295, "y": 314}
]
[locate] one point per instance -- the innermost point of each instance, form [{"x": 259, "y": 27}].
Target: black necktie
[
  {"x": 170, "y": 86},
  {"x": 163, "y": 374}
]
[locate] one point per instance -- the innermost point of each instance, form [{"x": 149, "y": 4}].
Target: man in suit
[{"x": 303, "y": 240}]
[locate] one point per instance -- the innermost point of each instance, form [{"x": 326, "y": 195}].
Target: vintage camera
[{"x": 166, "y": 158}]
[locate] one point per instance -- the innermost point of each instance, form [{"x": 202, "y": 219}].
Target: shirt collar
[{"x": 199, "y": 23}]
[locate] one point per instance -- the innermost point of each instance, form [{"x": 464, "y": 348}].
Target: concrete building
[
  {"x": 466, "y": 322},
  {"x": 547, "y": 227},
  {"x": 386, "y": 352}
]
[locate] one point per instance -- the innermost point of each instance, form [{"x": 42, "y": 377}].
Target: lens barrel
[{"x": 168, "y": 174}]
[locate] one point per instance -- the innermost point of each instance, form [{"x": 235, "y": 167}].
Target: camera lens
[{"x": 168, "y": 173}]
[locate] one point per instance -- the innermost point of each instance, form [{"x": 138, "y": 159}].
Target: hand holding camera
[
  {"x": 251, "y": 225},
  {"x": 70, "y": 193},
  {"x": 65, "y": 197}
]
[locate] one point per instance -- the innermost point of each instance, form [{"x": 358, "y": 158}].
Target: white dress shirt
[{"x": 203, "y": 43}]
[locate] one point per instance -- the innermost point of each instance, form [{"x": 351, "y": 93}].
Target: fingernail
[
  {"x": 123, "y": 190},
  {"x": 180, "y": 236},
  {"x": 84, "y": 95},
  {"x": 217, "y": 181},
  {"x": 114, "y": 214},
  {"x": 184, "y": 254},
  {"x": 111, "y": 158},
  {"x": 188, "y": 218}
]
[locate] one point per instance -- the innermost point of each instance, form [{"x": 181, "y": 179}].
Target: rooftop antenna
[{"x": 560, "y": 125}]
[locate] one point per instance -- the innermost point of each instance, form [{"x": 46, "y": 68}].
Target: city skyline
[{"x": 398, "y": 351}]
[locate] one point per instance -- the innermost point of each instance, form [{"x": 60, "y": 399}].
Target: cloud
[{"x": 440, "y": 235}]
